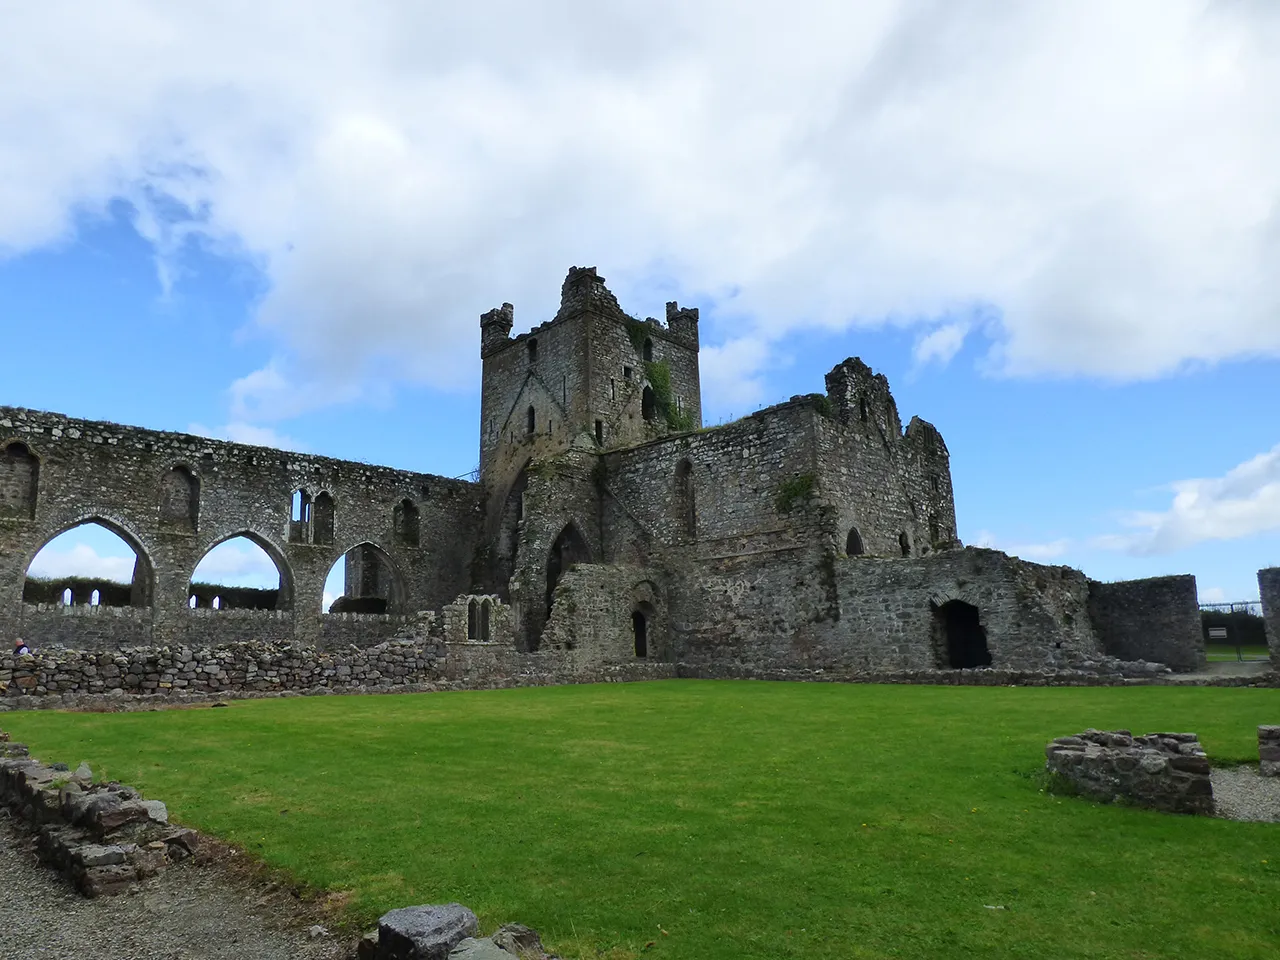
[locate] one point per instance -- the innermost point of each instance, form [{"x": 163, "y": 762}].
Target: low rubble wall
[
  {"x": 1163, "y": 771},
  {"x": 103, "y": 837},
  {"x": 1269, "y": 751}
]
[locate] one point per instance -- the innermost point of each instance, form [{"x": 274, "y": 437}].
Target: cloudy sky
[{"x": 1055, "y": 226}]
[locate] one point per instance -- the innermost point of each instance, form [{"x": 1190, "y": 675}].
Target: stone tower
[{"x": 592, "y": 378}]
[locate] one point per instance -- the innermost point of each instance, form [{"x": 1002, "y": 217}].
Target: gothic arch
[
  {"x": 570, "y": 548},
  {"x": 380, "y": 576},
  {"x": 142, "y": 590},
  {"x": 271, "y": 549}
]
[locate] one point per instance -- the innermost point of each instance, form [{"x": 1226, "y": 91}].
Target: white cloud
[
  {"x": 1039, "y": 552},
  {"x": 730, "y": 373},
  {"x": 249, "y": 433},
  {"x": 1243, "y": 502},
  {"x": 237, "y": 563},
  {"x": 1102, "y": 174},
  {"x": 82, "y": 560},
  {"x": 941, "y": 344}
]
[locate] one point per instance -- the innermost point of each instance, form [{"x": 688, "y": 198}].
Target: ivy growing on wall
[
  {"x": 658, "y": 373},
  {"x": 791, "y": 492}
]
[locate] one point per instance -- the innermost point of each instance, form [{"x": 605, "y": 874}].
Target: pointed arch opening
[
  {"x": 300, "y": 517},
  {"x": 322, "y": 519},
  {"x": 93, "y": 555},
  {"x": 19, "y": 481},
  {"x": 364, "y": 580},
  {"x": 648, "y": 404},
  {"x": 473, "y": 619},
  {"x": 904, "y": 543},
  {"x": 486, "y": 615},
  {"x": 853, "y": 546},
  {"x": 406, "y": 523},
  {"x": 179, "y": 500},
  {"x": 570, "y": 548},
  {"x": 642, "y": 618},
  {"x": 243, "y": 571},
  {"x": 648, "y": 350},
  {"x": 531, "y": 421}
]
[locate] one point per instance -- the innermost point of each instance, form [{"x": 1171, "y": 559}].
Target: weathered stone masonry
[
  {"x": 609, "y": 536},
  {"x": 125, "y": 478}
]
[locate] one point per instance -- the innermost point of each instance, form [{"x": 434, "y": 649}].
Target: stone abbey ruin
[{"x": 608, "y": 536}]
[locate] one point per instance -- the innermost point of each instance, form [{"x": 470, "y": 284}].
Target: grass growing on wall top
[{"x": 721, "y": 819}]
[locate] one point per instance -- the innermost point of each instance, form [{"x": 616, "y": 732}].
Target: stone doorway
[{"x": 961, "y": 638}]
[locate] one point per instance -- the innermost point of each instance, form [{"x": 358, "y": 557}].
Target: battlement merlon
[
  {"x": 495, "y": 328},
  {"x": 682, "y": 323}
]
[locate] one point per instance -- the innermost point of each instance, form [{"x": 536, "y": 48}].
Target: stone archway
[{"x": 960, "y": 639}]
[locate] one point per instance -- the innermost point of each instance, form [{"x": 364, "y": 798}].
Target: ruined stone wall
[
  {"x": 893, "y": 488},
  {"x": 1163, "y": 771},
  {"x": 595, "y": 610},
  {"x": 584, "y": 374},
  {"x": 813, "y": 610},
  {"x": 125, "y": 478},
  {"x": 1153, "y": 619},
  {"x": 1269, "y": 591},
  {"x": 744, "y": 488}
]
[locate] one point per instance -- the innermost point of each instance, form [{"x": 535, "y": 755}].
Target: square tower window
[{"x": 626, "y": 373}]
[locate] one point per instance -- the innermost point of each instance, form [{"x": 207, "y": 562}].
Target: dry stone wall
[
  {"x": 1152, "y": 619},
  {"x": 1269, "y": 750},
  {"x": 104, "y": 837},
  {"x": 1164, "y": 771},
  {"x": 1269, "y": 591}
]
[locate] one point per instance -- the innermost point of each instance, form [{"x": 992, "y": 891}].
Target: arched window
[
  {"x": 405, "y": 522},
  {"x": 191, "y": 601},
  {"x": 93, "y": 558},
  {"x": 243, "y": 571},
  {"x": 533, "y": 349},
  {"x": 648, "y": 404},
  {"x": 684, "y": 502},
  {"x": 19, "y": 481},
  {"x": 853, "y": 544},
  {"x": 904, "y": 542},
  {"x": 473, "y": 620},
  {"x": 364, "y": 580},
  {"x": 179, "y": 500},
  {"x": 648, "y": 350},
  {"x": 485, "y": 612},
  {"x": 531, "y": 421},
  {"x": 569, "y": 549},
  {"x": 640, "y": 631},
  {"x": 300, "y": 518},
  {"x": 322, "y": 519}
]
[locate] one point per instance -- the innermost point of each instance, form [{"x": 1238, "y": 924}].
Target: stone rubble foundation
[
  {"x": 1162, "y": 771},
  {"x": 1269, "y": 750},
  {"x": 103, "y": 837}
]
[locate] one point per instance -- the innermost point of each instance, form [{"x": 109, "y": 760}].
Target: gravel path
[
  {"x": 1241, "y": 793},
  {"x": 197, "y": 909}
]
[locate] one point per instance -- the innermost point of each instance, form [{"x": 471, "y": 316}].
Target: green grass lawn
[
  {"x": 721, "y": 819},
  {"x": 1218, "y": 652}
]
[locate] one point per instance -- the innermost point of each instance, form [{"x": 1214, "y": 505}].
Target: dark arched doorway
[
  {"x": 961, "y": 638},
  {"x": 648, "y": 404},
  {"x": 853, "y": 544},
  {"x": 640, "y": 627}
]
